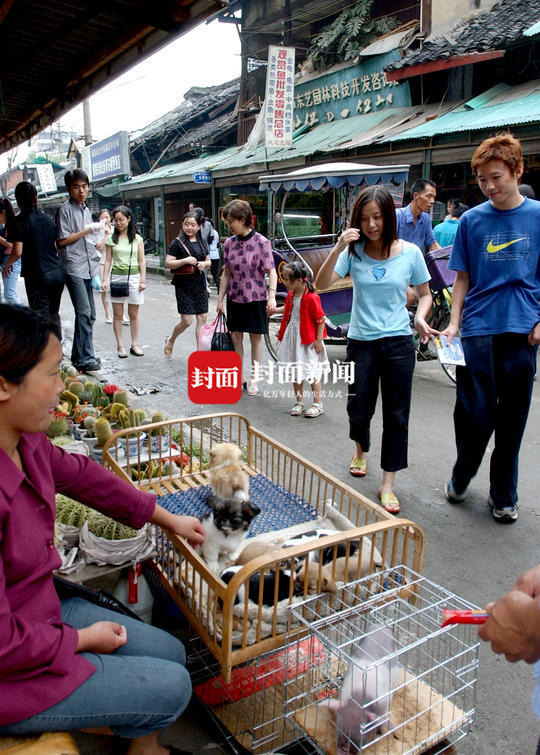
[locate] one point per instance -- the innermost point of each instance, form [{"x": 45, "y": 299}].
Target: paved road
[{"x": 466, "y": 552}]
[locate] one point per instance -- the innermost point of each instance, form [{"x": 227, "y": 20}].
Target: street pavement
[{"x": 466, "y": 551}]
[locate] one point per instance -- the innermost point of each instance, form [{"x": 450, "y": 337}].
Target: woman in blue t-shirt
[{"x": 379, "y": 343}]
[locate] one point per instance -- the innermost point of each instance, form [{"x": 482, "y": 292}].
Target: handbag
[
  {"x": 206, "y": 335},
  {"x": 221, "y": 340},
  {"x": 184, "y": 269},
  {"x": 121, "y": 288}
]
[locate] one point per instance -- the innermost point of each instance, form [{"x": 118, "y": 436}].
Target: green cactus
[
  {"x": 76, "y": 387},
  {"x": 103, "y": 432},
  {"x": 99, "y": 396},
  {"x": 71, "y": 399},
  {"x": 59, "y": 426},
  {"x": 62, "y": 440},
  {"x": 158, "y": 417},
  {"x": 112, "y": 410},
  {"x": 140, "y": 414},
  {"x": 71, "y": 371},
  {"x": 121, "y": 397},
  {"x": 76, "y": 514},
  {"x": 90, "y": 426}
]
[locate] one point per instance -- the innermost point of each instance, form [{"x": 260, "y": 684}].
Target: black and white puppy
[
  {"x": 269, "y": 585},
  {"x": 226, "y": 527}
]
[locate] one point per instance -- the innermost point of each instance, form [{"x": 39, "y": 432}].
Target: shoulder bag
[
  {"x": 121, "y": 288},
  {"x": 184, "y": 269}
]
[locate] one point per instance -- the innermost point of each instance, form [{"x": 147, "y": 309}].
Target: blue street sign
[{"x": 202, "y": 177}]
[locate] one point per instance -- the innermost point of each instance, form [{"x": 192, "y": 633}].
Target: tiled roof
[
  {"x": 206, "y": 132},
  {"x": 199, "y": 102},
  {"x": 492, "y": 29}
]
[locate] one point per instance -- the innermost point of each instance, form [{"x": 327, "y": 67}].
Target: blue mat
[{"x": 279, "y": 508}]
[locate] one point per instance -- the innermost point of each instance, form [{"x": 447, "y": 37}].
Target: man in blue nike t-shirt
[{"x": 496, "y": 255}]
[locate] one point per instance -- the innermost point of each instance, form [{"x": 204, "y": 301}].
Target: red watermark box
[{"x": 214, "y": 377}]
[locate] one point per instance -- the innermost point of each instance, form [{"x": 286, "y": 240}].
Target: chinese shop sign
[
  {"x": 358, "y": 89},
  {"x": 279, "y": 99}
]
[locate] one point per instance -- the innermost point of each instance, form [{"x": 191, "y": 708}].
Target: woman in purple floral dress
[{"x": 247, "y": 259}]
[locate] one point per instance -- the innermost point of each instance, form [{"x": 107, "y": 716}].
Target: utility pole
[{"x": 87, "y": 123}]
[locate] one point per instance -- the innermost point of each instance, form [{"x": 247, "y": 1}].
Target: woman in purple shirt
[
  {"x": 247, "y": 257},
  {"x": 69, "y": 664}
]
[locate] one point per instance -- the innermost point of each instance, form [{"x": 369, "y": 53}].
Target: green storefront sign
[{"x": 357, "y": 89}]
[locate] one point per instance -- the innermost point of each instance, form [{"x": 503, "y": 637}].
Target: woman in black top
[
  {"x": 35, "y": 239},
  {"x": 188, "y": 258}
]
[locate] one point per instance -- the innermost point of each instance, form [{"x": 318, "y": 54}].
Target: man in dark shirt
[{"x": 34, "y": 239}]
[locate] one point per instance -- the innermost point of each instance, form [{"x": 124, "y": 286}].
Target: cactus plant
[
  {"x": 90, "y": 426},
  {"x": 58, "y": 426},
  {"x": 103, "y": 431},
  {"x": 71, "y": 371},
  {"x": 71, "y": 399},
  {"x": 76, "y": 387},
  {"x": 76, "y": 514},
  {"x": 130, "y": 418},
  {"x": 111, "y": 411},
  {"x": 158, "y": 417},
  {"x": 121, "y": 397}
]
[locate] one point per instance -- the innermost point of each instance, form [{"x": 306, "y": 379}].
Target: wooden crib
[{"x": 172, "y": 461}]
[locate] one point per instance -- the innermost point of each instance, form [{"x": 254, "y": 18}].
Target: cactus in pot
[
  {"x": 121, "y": 397},
  {"x": 76, "y": 387},
  {"x": 71, "y": 399},
  {"x": 90, "y": 423},
  {"x": 58, "y": 426},
  {"x": 103, "y": 431}
]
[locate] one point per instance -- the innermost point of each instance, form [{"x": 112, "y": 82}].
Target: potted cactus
[
  {"x": 89, "y": 425},
  {"x": 131, "y": 418},
  {"x": 159, "y": 440},
  {"x": 59, "y": 426}
]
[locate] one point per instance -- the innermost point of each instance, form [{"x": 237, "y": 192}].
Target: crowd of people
[{"x": 80, "y": 668}]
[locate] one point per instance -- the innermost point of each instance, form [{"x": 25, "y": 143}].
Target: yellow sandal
[
  {"x": 358, "y": 466},
  {"x": 389, "y": 502}
]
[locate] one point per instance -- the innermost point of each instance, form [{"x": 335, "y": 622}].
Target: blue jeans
[
  {"x": 10, "y": 283},
  {"x": 493, "y": 394},
  {"x": 390, "y": 362},
  {"x": 82, "y": 298},
  {"x": 140, "y": 688}
]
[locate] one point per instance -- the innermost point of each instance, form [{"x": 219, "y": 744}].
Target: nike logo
[{"x": 491, "y": 247}]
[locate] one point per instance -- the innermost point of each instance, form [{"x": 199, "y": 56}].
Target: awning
[
  {"x": 497, "y": 107},
  {"x": 334, "y": 175}
]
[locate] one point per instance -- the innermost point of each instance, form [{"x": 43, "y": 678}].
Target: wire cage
[{"x": 380, "y": 674}]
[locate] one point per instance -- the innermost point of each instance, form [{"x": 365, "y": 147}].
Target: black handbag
[
  {"x": 121, "y": 288},
  {"x": 221, "y": 340},
  {"x": 66, "y": 589}
]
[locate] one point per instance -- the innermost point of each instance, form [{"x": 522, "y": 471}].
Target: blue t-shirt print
[
  {"x": 505, "y": 247},
  {"x": 378, "y": 272}
]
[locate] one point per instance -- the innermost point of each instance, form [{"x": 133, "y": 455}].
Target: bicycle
[{"x": 151, "y": 246}]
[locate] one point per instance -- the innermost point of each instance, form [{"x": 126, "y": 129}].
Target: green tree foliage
[{"x": 345, "y": 37}]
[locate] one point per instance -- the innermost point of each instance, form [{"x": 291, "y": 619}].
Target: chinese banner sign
[
  {"x": 214, "y": 377},
  {"x": 352, "y": 90},
  {"x": 279, "y": 99}
]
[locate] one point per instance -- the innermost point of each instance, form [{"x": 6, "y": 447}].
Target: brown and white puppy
[
  {"x": 226, "y": 474},
  {"x": 309, "y": 571},
  {"x": 253, "y": 550},
  {"x": 346, "y": 570}
]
